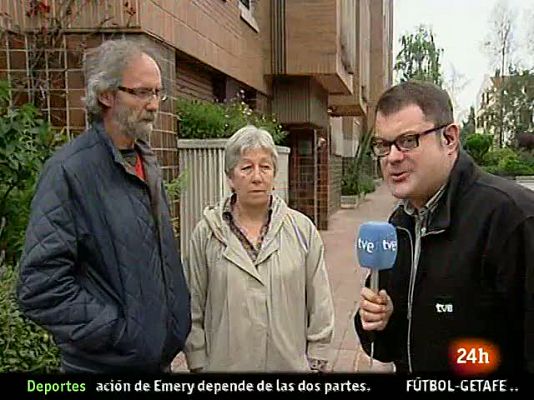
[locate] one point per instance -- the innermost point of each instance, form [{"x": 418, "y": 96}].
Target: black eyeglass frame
[
  {"x": 395, "y": 142},
  {"x": 145, "y": 94}
]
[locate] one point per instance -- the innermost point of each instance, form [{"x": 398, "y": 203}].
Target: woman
[{"x": 260, "y": 296}]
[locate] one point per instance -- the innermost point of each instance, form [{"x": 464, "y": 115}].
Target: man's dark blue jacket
[{"x": 100, "y": 268}]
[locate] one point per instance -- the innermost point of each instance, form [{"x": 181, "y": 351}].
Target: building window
[{"x": 246, "y": 7}]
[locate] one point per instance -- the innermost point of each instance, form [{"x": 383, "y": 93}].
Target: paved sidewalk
[
  {"x": 346, "y": 280},
  {"x": 346, "y": 277}
]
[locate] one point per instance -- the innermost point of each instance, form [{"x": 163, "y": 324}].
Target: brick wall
[
  {"x": 3, "y": 57},
  {"x": 193, "y": 82},
  {"x": 213, "y": 32},
  {"x": 323, "y": 182},
  {"x": 56, "y": 85},
  {"x": 305, "y": 181},
  {"x": 50, "y": 78},
  {"x": 336, "y": 173},
  {"x": 301, "y": 172}
]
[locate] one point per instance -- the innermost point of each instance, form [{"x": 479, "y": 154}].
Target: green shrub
[
  {"x": 358, "y": 177},
  {"x": 349, "y": 186},
  {"x": 355, "y": 185},
  {"x": 477, "y": 145},
  {"x": 507, "y": 162},
  {"x": 26, "y": 141},
  {"x": 514, "y": 167},
  {"x": 527, "y": 157},
  {"x": 200, "y": 119},
  {"x": 25, "y": 346},
  {"x": 207, "y": 120},
  {"x": 493, "y": 157},
  {"x": 367, "y": 184}
]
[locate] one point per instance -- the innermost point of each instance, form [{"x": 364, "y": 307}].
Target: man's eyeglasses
[
  {"x": 145, "y": 94},
  {"x": 404, "y": 143}
]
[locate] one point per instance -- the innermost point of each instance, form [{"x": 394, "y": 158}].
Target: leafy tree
[
  {"x": 500, "y": 45},
  {"x": 513, "y": 108},
  {"x": 525, "y": 141},
  {"x": 454, "y": 83},
  {"x": 419, "y": 57},
  {"x": 500, "y": 42},
  {"x": 468, "y": 125}
]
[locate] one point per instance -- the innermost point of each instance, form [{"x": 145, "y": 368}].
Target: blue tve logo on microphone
[{"x": 376, "y": 245}]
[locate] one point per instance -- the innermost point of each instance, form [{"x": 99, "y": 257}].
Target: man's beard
[{"x": 132, "y": 125}]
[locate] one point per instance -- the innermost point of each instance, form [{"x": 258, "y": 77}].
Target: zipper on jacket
[
  {"x": 423, "y": 234},
  {"x": 410, "y": 300},
  {"x": 411, "y": 288}
]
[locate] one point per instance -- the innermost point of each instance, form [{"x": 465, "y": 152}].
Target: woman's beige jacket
[{"x": 270, "y": 315}]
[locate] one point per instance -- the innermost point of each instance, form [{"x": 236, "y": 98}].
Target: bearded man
[{"x": 100, "y": 268}]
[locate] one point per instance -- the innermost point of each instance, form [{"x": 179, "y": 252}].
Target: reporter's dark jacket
[
  {"x": 475, "y": 277},
  {"x": 100, "y": 268}
]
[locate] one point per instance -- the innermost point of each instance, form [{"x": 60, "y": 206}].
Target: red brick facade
[
  {"x": 211, "y": 50},
  {"x": 312, "y": 174},
  {"x": 335, "y": 175},
  {"x": 53, "y": 80}
]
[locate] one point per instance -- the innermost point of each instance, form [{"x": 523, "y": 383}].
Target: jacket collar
[
  {"x": 234, "y": 251},
  {"x": 463, "y": 174},
  {"x": 430, "y": 205},
  {"x": 150, "y": 163},
  {"x": 214, "y": 216},
  {"x": 98, "y": 130},
  {"x": 140, "y": 145}
]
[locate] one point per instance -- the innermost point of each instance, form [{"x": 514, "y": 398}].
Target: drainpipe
[{"x": 315, "y": 178}]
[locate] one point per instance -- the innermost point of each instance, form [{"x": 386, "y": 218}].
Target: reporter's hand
[{"x": 375, "y": 309}]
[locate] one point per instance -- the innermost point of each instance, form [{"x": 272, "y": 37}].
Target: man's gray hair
[
  {"x": 248, "y": 138},
  {"x": 103, "y": 69}
]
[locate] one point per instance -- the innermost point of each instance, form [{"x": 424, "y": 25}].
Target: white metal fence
[{"x": 203, "y": 163}]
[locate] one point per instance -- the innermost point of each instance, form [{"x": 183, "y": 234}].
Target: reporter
[{"x": 465, "y": 265}]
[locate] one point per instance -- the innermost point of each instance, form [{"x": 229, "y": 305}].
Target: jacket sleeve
[
  {"x": 515, "y": 280},
  {"x": 386, "y": 342},
  {"x": 196, "y": 273},
  {"x": 48, "y": 291},
  {"x": 319, "y": 302},
  {"x": 528, "y": 254}
]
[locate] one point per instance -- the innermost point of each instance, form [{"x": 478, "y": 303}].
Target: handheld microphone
[{"x": 376, "y": 248}]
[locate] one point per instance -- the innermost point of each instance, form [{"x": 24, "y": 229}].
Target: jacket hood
[{"x": 213, "y": 215}]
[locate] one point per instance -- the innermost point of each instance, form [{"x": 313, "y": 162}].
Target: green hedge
[
  {"x": 207, "y": 120},
  {"x": 26, "y": 141},
  {"x": 478, "y": 145},
  {"x": 508, "y": 162},
  {"x": 25, "y": 346}
]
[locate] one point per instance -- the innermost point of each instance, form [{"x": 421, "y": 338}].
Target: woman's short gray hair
[
  {"x": 103, "y": 69},
  {"x": 248, "y": 138}
]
